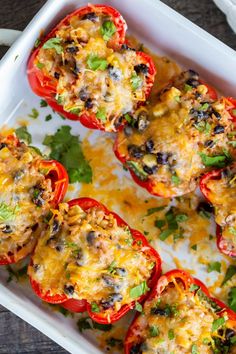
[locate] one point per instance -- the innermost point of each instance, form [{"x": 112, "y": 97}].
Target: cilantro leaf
[
  {"x": 164, "y": 234},
  {"x": 219, "y": 322},
  {"x": 7, "y": 213},
  {"x": 194, "y": 349},
  {"x": 216, "y": 161},
  {"x": 34, "y": 114},
  {"x": 139, "y": 290},
  {"x": 54, "y": 43},
  {"x": 95, "y": 307},
  {"x": 138, "y": 307},
  {"x": 96, "y": 63},
  {"x": 154, "y": 331},
  {"x": 231, "y": 271},
  {"x": 67, "y": 149},
  {"x": 136, "y": 81},
  {"x": 107, "y": 30},
  {"x": 154, "y": 210},
  {"x": 101, "y": 114},
  {"x": 23, "y": 134},
  {"x": 175, "y": 179},
  {"x": 214, "y": 266},
  {"x": 171, "y": 334},
  {"x": 232, "y": 298},
  {"x": 43, "y": 104}
]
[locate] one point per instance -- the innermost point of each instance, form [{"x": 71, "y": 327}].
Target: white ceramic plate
[{"x": 164, "y": 31}]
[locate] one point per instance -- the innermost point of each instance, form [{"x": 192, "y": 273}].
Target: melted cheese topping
[
  {"x": 93, "y": 257},
  {"x": 178, "y": 322},
  {"x": 108, "y": 91},
  {"x": 24, "y": 198},
  {"x": 184, "y": 124},
  {"x": 222, "y": 194}
]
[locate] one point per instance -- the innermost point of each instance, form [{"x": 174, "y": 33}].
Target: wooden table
[{"x": 16, "y": 336}]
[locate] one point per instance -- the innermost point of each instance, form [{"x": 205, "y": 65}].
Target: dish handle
[{"x": 8, "y": 36}]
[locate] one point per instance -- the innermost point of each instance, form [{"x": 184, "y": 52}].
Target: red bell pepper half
[
  {"x": 59, "y": 179},
  {"x": 75, "y": 305},
  {"x": 134, "y": 340},
  {"x": 46, "y": 86},
  {"x": 225, "y": 246}
]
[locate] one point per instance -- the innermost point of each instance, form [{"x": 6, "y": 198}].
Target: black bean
[
  {"x": 37, "y": 192},
  {"x": 36, "y": 267},
  {"x": 72, "y": 50},
  {"x": 128, "y": 130},
  {"x": 135, "y": 151},
  {"x": 69, "y": 289},
  {"x": 199, "y": 115},
  {"x": 217, "y": 114},
  {"x": 162, "y": 158},
  {"x": 141, "y": 68},
  {"x": 55, "y": 227},
  {"x": 219, "y": 129},
  {"x": 52, "y": 241},
  {"x": 108, "y": 280},
  {"x": 59, "y": 247},
  {"x": 225, "y": 173},
  {"x": 126, "y": 47},
  {"x": 89, "y": 103},
  {"x": 18, "y": 175},
  {"x": 160, "y": 312},
  {"x": 114, "y": 73},
  {"x": 83, "y": 95},
  {"x": 149, "y": 145},
  {"x": 56, "y": 75},
  {"x": 7, "y": 229},
  {"x": 229, "y": 333},
  {"x": 2, "y": 145},
  {"x": 150, "y": 170},
  {"x": 34, "y": 227},
  {"x": 193, "y": 74},
  {"x": 91, "y": 16},
  {"x": 121, "y": 272},
  {"x": 209, "y": 143},
  {"x": 111, "y": 300},
  {"x": 76, "y": 69},
  {"x": 192, "y": 82},
  {"x": 136, "y": 349},
  {"x": 204, "y": 206},
  {"x": 91, "y": 237}
]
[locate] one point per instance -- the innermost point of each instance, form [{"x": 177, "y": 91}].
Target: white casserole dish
[{"x": 164, "y": 31}]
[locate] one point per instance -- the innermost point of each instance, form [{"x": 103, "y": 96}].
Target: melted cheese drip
[
  {"x": 19, "y": 175},
  {"x": 94, "y": 255},
  {"x": 109, "y": 90},
  {"x": 190, "y": 322}
]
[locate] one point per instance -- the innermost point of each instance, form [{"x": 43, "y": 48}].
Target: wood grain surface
[{"x": 16, "y": 336}]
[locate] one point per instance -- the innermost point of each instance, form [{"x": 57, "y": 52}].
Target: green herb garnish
[
  {"x": 96, "y": 63},
  {"x": 136, "y": 81},
  {"x": 219, "y": 322},
  {"x": 67, "y": 149},
  {"x": 39, "y": 65},
  {"x": 54, "y": 43},
  {"x": 154, "y": 331},
  {"x": 107, "y": 30},
  {"x": 232, "y": 298},
  {"x": 138, "y": 307},
  {"x": 171, "y": 334},
  {"x": 48, "y": 117},
  {"x": 194, "y": 349},
  {"x": 155, "y": 210},
  {"x": 43, "y": 103},
  {"x": 214, "y": 267},
  {"x": 34, "y": 114},
  {"x": 231, "y": 271},
  {"x": 216, "y": 161},
  {"x": 175, "y": 179},
  {"x": 139, "y": 290},
  {"x": 95, "y": 307},
  {"x": 7, "y": 213},
  {"x": 23, "y": 134},
  {"x": 101, "y": 114}
]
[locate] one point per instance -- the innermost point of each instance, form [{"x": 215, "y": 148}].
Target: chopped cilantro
[
  {"x": 101, "y": 114},
  {"x": 136, "y": 81},
  {"x": 204, "y": 107},
  {"x": 96, "y": 63},
  {"x": 128, "y": 118},
  {"x": 171, "y": 334},
  {"x": 112, "y": 267},
  {"x": 138, "y": 307},
  {"x": 155, "y": 210},
  {"x": 219, "y": 322},
  {"x": 214, "y": 266},
  {"x": 231, "y": 271},
  {"x": 139, "y": 290},
  {"x": 159, "y": 224},
  {"x": 181, "y": 217},
  {"x": 23, "y": 134},
  {"x": 40, "y": 65},
  {"x": 232, "y": 298},
  {"x": 194, "y": 349},
  {"x": 234, "y": 112},
  {"x": 193, "y": 287},
  {"x": 154, "y": 331},
  {"x": 43, "y": 103},
  {"x": 54, "y": 43},
  {"x": 187, "y": 88},
  {"x": 37, "y": 43},
  {"x": 194, "y": 247},
  {"x": 177, "y": 99},
  {"x": 67, "y": 149},
  {"x": 175, "y": 179},
  {"x": 216, "y": 161},
  {"x": 95, "y": 307},
  {"x": 75, "y": 110},
  {"x": 165, "y": 234},
  {"x": 7, "y": 213},
  {"x": 48, "y": 117},
  {"x": 34, "y": 114},
  {"x": 232, "y": 230},
  {"x": 233, "y": 339},
  {"x": 107, "y": 30}
]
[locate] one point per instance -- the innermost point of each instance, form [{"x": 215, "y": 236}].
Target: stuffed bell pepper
[
  {"x": 219, "y": 187},
  {"x": 167, "y": 146},
  {"x": 30, "y": 186},
  {"x": 86, "y": 71},
  {"x": 89, "y": 259},
  {"x": 180, "y": 316}
]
